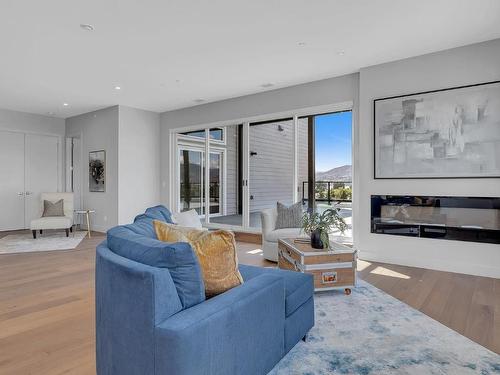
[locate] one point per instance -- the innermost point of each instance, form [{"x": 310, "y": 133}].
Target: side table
[{"x": 87, "y": 217}]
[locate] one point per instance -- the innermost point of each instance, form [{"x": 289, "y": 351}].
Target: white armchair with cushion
[
  {"x": 63, "y": 220},
  {"x": 271, "y": 235}
]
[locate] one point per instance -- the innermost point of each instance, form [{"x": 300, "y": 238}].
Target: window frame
[{"x": 192, "y": 138}]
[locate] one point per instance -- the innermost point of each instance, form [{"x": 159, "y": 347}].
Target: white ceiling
[{"x": 167, "y": 53}]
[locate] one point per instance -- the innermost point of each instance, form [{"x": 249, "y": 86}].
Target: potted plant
[{"x": 318, "y": 225}]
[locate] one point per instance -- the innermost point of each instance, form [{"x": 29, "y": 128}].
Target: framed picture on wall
[
  {"x": 97, "y": 171},
  {"x": 449, "y": 133}
]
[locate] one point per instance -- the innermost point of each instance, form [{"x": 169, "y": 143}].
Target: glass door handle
[
  {"x": 20, "y": 193},
  {"x": 29, "y": 192}
]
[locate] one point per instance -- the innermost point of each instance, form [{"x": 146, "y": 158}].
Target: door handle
[
  {"x": 20, "y": 193},
  {"x": 29, "y": 192}
]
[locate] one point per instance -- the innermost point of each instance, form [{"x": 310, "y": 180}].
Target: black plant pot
[{"x": 316, "y": 242}]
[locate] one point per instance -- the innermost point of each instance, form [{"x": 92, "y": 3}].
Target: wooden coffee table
[{"x": 333, "y": 268}]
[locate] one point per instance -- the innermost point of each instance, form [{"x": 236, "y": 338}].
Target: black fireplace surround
[{"x": 475, "y": 219}]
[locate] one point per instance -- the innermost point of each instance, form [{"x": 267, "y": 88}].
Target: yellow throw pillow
[
  {"x": 216, "y": 252},
  {"x": 174, "y": 233}
]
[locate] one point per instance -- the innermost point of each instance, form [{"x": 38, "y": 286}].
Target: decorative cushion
[
  {"x": 188, "y": 219},
  {"x": 175, "y": 233},
  {"x": 216, "y": 252},
  {"x": 53, "y": 208},
  {"x": 289, "y": 217},
  {"x": 129, "y": 242}
]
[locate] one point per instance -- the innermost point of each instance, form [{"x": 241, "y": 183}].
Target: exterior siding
[{"x": 271, "y": 169}]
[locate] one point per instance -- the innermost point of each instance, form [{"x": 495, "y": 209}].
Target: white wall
[
  {"x": 329, "y": 91},
  {"x": 36, "y": 124},
  {"x": 99, "y": 131},
  {"x": 461, "y": 66},
  {"x": 131, "y": 139},
  {"x": 30, "y": 123},
  {"x": 138, "y": 162}
]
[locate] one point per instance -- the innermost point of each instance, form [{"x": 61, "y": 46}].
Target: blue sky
[{"x": 333, "y": 140}]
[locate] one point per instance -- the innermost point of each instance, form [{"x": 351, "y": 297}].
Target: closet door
[
  {"x": 41, "y": 172},
  {"x": 11, "y": 180}
]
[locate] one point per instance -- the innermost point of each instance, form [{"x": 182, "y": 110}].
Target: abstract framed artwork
[
  {"x": 97, "y": 171},
  {"x": 448, "y": 133}
]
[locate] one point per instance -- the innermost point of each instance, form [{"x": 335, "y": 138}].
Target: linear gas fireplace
[{"x": 474, "y": 219}]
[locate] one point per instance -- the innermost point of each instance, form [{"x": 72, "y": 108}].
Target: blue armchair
[{"x": 151, "y": 318}]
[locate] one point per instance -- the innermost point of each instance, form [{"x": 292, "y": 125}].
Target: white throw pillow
[{"x": 188, "y": 219}]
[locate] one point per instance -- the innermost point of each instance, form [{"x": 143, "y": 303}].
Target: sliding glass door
[
  {"x": 215, "y": 183},
  {"x": 253, "y": 165},
  {"x": 192, "y": 180},
  {"x": 230, "y": 179},
  {"x": 191, "y": 184},
  {"x": 326, "y": 179},
  {"x": 271, "y": 166},
  {"x": 201, "y": 181}
]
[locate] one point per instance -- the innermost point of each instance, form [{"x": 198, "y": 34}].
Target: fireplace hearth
[{"x": 475, "y": 219}]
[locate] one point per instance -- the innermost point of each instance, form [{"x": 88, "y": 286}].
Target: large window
[
  {"x": 253, "y": 165},
  {"x": 327, "y": 140}
]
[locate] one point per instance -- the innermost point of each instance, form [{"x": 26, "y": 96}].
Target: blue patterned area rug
[{"x": 372, "y": 333}]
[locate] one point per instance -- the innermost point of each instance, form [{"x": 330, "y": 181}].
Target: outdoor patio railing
[
  {"x": 329, "y": 191},
  {"x": 193, "y": 190}
]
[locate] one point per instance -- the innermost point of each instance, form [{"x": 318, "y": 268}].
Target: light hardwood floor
[{"x": 47, "y": 305}]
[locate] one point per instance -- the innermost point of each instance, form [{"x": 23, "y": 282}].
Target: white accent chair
[
  {"x": 54, "y": 222},
  {"x": 271, "y": 235}
]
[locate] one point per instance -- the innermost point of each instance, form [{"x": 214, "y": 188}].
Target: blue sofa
[{"x": 152, "y": 316}]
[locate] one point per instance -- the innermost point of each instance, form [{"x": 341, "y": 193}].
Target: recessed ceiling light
[
  {"x": 118, "y": 88},
  {"x": 341, "y": 53},
  {"x": 199, "y": 100},
  {"x": 266, "y": 85},
  {"x": 87, "y": 27},
  {"x": 65, "y": 104}
]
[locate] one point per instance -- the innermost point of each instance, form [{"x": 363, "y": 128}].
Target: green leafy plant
[
  {"x": 323, "y": 223},
  {"x": 343, "y": 192}
]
